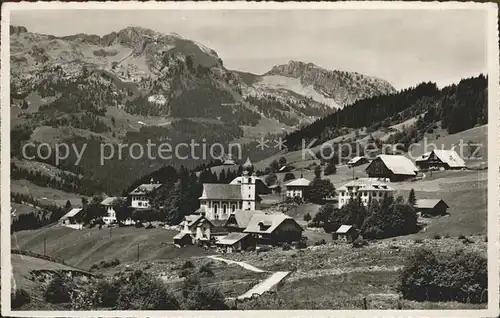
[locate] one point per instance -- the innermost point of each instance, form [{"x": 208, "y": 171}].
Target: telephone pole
[
  {"x": 137, "y": 252},
  {"x": 45, "y": 245}
]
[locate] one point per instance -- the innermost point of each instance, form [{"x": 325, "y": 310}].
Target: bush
[
  {"x": 359, "y": 242},
  {"x": 187, "y": 264},
  {"x": 150, "y": 226},
  {"x": 206, "y": 270},
  {"x": 286, "y": 247},
  {"x": 437, "y": 237},
  {"x": 320, "y": 242},
  {"x": 418, "y": 241},
  {"x": 460, "y": 276},
  {"x": 263, "y": 249},
  {"x": 300, "y": 244},
  {"x": 307, "y": 217},
  {"x": 58, "y": 291},
  {"x": 142, "y": 291},
  {"x": 203, "y": 298},
  {"x": 462, "y": 237},
  {"x": 138, "y": 224},
  {"x": 288, "y": 176},
  {"x": 19, "y": 297},
  {"x": 106, "y": 294}
]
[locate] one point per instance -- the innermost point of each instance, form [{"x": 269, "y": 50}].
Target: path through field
[
  {"x": 242, "y": 264},
  {"x": 262, "y": 287}
]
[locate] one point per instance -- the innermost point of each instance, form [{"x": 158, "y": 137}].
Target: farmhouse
[
  {"x": 140, "y": 196},
  {"x": 357, "y": 161},
  {"x": 346, "y": 233},
  {"x": 219, "y": 200},
  {"x": 108, "y": 205},
  {"x": 366, "y": 188},
  {"x": 194, "y": 229},
  {"x": 274, "y": 228},
  {"x": 440, "y": 159},
  {"x": 431, "y": 207},
  {"x": 392, "y": 167},
  {"x": 72, "y": 219},
  {"x": 235, "y": 242},
  {"x": 297, "y": 188}
]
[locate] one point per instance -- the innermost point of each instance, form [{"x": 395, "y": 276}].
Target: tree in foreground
[{"x": 412, "y": 199}]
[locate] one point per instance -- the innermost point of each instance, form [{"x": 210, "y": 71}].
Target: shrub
[
  {"x": 150, "y": 226},
  {"x": 359, "y": 242},
  {"x": 203, "y": 298},
  {"x": 206, "y": 270},
  {"x": 307, "y": 217},
  {"x": 138, "y": 224},
  {"x": 106, "y": 294},
  {"x": 19, "y": 297},
  {"x": 288, "y": 176},
  {"x": 418, "y": 241},
  {"x": 320, "y": 242},
  {"x": 461, "y": 237},
  {"x": 145, "y": 292},
  {"x": 300, "y": 244},
  {"x": 57, "y": 291},
  {"x": 187, "y": 264},
  {"x": 437, "y": 237},
  {"x": 263, "y": 249},
  {"x": 286, "y": 247},
  {"x": 460, "y": 276}
]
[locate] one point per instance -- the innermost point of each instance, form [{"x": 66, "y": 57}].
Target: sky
[{"x": 404, "y": 47}]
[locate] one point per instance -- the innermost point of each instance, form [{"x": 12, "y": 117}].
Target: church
[{"x": 218, "y": 201}]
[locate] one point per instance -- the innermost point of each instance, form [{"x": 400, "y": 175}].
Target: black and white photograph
[{"x": 234, "y": 157}]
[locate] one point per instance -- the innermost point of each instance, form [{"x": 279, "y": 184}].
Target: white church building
[{"x": 218, "y": 201}]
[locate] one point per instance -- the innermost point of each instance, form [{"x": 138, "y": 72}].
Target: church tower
[{"x": 248, "y": 191}]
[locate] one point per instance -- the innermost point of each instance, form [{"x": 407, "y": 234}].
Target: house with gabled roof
[
  {"x": 297, "y": 188},
  {"x": 140, "y": 197},
  {"x": 431, "y": 207},
  {"x": 235, "y": 242},
  {"x": 195, "y": 228},
  {"x": 72, "y": 219},
  {"x": 346, "y": 233},
  {"x": 392, "y": 167},
  {"x": 111, "y": 213},
  {"x": 357, "y": 161},
  {"x": 366, "y": 189},
  {"x": 272, "y": 228},
  {"x": 440, "y": 159}
]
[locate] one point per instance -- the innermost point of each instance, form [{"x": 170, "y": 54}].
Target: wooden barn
[
  {"x": 440, "y": 160},
  {"x": 273, "y": 228},
  {"x": 357, "y": 161},
  {"x": 236, "y": 242},
  {"x": 392, "y": 167},
  {"x": 346, "y": 233},
  {"x": 431, "y": 207}
]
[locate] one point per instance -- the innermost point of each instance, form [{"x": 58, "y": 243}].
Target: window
[
  {"x": 249, "y": 180},
  {"x": 233, "y": 208},
  {"x": 224, "y": 209},
  {"x": 215, "y": 208},
  {"x": 249, "y": 196}
]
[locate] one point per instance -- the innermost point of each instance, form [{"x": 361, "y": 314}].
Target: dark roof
[
  {"x": 194, "y": 219},
  {"x": 145, "y": 188},
  {"x": 221, "y": 191},
  {"x": 243, "y": 217},
  {"x": 428, "y": 203}
]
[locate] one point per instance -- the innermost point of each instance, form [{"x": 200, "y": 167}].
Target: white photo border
[{"x": 493, "y": 153}]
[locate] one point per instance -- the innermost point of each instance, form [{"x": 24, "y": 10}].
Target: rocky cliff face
[{"x": 343, "y": 87}]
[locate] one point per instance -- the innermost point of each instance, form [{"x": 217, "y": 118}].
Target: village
[{"x": 232, "y": 217}]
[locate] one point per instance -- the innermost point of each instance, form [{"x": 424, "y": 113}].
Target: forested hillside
[{"x": 459, "y": 107}]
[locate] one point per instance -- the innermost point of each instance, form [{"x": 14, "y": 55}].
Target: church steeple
[{"x": 247, "y": 167}]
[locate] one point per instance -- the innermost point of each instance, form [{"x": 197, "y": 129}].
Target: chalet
[
  {"x": 357, "y": 161},
  {"x": 440, "y": 160},
  {"x": 239, "y": 220},
  {"x": 392, "y": 167},
  {"x": 235, "y": 242},
  {"x": 108, "y": 205},
  {"x": 219, "y": 200},
  {"x": 366, "y": 188},
  {"x": 297, "y": 188},
  {"x": 272, "y": 228},
  {"x": 140, "y": 196},
  {"x": 72, "y": 219},
  {"x": 346, "y": 233},
  {"x": 194, "y": 229},
  {"x": 431, "y": 207}
]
